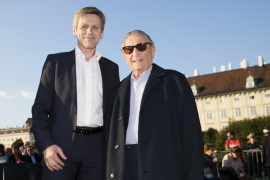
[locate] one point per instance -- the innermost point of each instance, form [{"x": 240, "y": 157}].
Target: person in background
[
  {"x": 3, "y": 155},
  {"x": 252, "y": 145},
  {"x": 266, "y": 151},
  {"x": 212, "y": 163},
  {"x": 24, "y": 147},
  {"x": 232, "y": 142},
  {"x": 8, "y": 152},
  {"x": 232, "y": 160},
  {"x": 16, "y": 156},
  {"x": 31, "y": 156}
]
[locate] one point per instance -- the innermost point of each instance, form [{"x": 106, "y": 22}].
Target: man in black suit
[
  {"x": 152, "y": 128},
  {"x": 71, "y": 101},
  {"x": 31, "y": 156}
]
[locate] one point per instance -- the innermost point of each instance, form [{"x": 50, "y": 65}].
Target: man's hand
[
  {"x": 215, "y": 159},
  {"x": 207, "y": 170},
  {"x": 51, "y": 158}
]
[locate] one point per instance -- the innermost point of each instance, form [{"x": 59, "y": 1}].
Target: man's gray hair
[{"x": 134, "y": 32}]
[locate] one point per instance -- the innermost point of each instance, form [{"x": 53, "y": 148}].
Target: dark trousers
[
  {"x": 131, "y": 162},
  {"x": 268, "y": 172},
  {"x": 84, "y": 162}
]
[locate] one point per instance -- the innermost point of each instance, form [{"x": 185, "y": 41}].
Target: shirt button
[
  {"x": 112, "y": 176},
  {"x": 116, "y": 147},
  {"x": 128, "y": 147}
]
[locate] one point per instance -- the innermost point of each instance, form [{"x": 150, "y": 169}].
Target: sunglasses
[
  {"x": 253, "y": 137},
  {"x": 140, "y": 47}
]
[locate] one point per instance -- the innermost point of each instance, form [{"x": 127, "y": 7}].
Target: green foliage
[
  {"x": 2, "y": 147},
  {"x": 18, "y": 142},
  {"x": 241, "y": 129}
]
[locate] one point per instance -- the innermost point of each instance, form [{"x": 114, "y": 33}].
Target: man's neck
[
  {"x": 88, "y": 53},
  {"x": 232, "y": 139}
]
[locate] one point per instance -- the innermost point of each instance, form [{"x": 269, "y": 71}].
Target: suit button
[
  {"x": 119, "y": 118},
  {"x": 116, "y": 147},
  {"x": 112, "y": 175}
]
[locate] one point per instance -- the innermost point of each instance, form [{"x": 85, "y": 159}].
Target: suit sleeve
[
  {"x": 43, "y": 106},
  {"x": 116, "y": 76},
  {"x": 192, "y": 141}
]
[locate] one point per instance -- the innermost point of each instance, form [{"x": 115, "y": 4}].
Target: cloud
[
  {"x": 28, "y": 95},
  {"x": 24, "y": 94},
  {"x": 8, "y": 95}
]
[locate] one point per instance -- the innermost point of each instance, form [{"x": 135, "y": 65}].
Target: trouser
[
  {"x": 84, "y": 162},
  {"x": 131, "y": 162},
  {"x": 268, "y": 172}
]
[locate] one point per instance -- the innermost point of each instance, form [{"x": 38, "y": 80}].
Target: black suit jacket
[
  {"x": 170, "y": 139},
  {"x": 55, "y": 109},
  {"x": 11, "y": 159},
  {"x": 36, "y": 156}
]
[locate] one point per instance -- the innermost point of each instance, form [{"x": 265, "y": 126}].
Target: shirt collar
[
  {"x": 78, "y": 52},
  {"x": 144, "y": 75}
]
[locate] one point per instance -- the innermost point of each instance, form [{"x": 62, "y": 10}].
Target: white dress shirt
[
  {"x": 89, "y": 90},
  {"x": 33, "y": 159},
  {"x": 136, "y": 92}
]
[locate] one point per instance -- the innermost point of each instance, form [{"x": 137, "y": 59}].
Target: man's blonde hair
[{"x": 89, "y": 10}]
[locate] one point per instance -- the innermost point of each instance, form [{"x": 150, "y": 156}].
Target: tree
[
  {"x": 241, "y": 129},
  {"x": 35, "y": 147},
  {"x": 18, "y": 142},
  {"x": 2, "y": 147}
]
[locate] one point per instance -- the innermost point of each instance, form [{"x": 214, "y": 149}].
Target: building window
[
  {"x": 222, "y": 101},
  {"x": 251, "y": 97},
  {"x": 207, "y": 102},
  {"x": 267, "y": 95},
  {"x": 208, "y": 115},
  {"x": 0, "y": 140},
  {"x": 25, "y": 138},
  {"x": 236, "y": 99},
  {"x": 268, "y": 110},
  {"x": 223, "y": 113},
  {"x": 250, "y": 84},
  {"x": 253, "y": 110},
  {"x": 12, "y": 139},
  {"x": 7, "y": 139},
  {"x": 21, "y": 130},
  {"x": 237, "y": 112},
  {"x": 4, "y": 140}
]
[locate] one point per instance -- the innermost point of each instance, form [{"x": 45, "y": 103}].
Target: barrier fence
[{"x": 251, "y": 159}]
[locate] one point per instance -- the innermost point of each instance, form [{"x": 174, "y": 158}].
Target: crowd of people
[
  {"x": 24, "y": 154},
  {"x": 231, "y": 166}
]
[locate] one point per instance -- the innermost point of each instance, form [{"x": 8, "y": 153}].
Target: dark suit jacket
[
  {"x": 55, "y": 108},
  {"x": 36, "y": 156},
  {"x": 11, "y": 159},
  {"x": 170, "y": 137}
]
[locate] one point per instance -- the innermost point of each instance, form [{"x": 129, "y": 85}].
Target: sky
[{"x": 188, "y": 35}]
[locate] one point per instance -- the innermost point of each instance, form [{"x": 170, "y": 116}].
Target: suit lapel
[
  {"x": 152, "y": 82},
  {"x": 103, "y": 71},
  {"x": 72, "y": 77},
  {"x": 123, "y": 92}
]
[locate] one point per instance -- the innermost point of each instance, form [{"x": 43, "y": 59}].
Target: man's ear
[
  {"x": 74, "y": 31},
  {"x": 153, "y": 48}
]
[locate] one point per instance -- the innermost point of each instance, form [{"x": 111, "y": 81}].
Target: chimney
[
  {"x": 260, "y": 59},
  {"x": 196, "y": 72},
  {"x": 265, "y": 63},
  {"x": 244, "y": 64},
  {"x": 187, "y": 76},
  {"x": 6, "y": 127},
  {"x": 230, "y": 66},
  {"x": 214, "y": 69},
  {"x": 15, "y": 126},
  {"x": 222, "y": 68}
]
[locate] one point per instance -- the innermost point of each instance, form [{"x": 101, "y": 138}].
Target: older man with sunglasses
[{"x": 152, "y": 128}]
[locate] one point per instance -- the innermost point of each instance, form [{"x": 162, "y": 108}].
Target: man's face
[
  {"x": 139, "y": 61},
  {"x": 229, "y": 136},
  {"x": 8, "y": 152},
  {"x": 30, "y": 151},
  {"x": 88, "y": 31}
]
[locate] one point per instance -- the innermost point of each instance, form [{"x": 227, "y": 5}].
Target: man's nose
[
  {"x": 136, "y": 52},
  {"x": 89, "y": 30}
]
